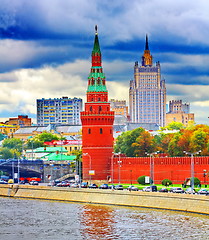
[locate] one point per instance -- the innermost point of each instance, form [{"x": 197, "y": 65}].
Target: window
[
  {"x": 100, "y": 130},
  {"x": 89, "y": 131}
]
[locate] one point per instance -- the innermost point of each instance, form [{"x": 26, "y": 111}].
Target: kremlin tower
[{"x": 97, "y": 123}]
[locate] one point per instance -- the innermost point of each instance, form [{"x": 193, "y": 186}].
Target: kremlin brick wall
[{"x": 176, "y": 169}]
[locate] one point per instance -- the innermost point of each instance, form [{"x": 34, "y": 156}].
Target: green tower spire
[
  {"x": 96, "y": 79},
  {"x": 96, "y": 48}
]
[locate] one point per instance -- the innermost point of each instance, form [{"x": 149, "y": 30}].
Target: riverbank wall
[{"x": 167, "y": 201}]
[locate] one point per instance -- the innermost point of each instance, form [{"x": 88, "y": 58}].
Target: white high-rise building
[{"x": 147, "y": 93}]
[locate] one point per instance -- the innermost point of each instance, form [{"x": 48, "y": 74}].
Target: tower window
[
  {"x": 90, "y": 108},
  {"x": 89, "y": 131},
  {"x": 100, "y": 130},
  {"x": 100, "y": 108}
]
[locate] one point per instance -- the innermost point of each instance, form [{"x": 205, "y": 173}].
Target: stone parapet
[{"x": 156, "y": 200}]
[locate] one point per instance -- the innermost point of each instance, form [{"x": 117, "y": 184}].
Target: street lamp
[
  {"x": 152, "y": 163},
  {"x": 112, "y": 168},
  {"x": 90, "y": 173},
  {"x": 61, "y": 145},
  {"x": 204, "y": 175},
  {"x": 119, "y": 165},
  {"x": 192, "y": 166}
]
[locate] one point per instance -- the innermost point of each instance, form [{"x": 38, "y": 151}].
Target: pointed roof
[
  {"x": 96, "y": 48},
  {"x": 96, "y": 77},
  {"x": 146, "y": 44}
]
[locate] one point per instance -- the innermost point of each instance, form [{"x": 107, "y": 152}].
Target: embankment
[{"x": 169, "y": 201}]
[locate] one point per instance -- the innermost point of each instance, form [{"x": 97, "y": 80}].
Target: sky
[{"x": 45, "y": 49}]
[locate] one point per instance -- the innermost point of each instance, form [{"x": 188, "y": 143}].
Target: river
[{"x": 32, "y": 219}]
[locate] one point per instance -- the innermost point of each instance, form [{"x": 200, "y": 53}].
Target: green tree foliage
[
  {"x": 174, "y": 126},
  {"x": 166, "y": 182},
  {"x": 46, "y": 137},
  {"x": 191, "y": 139},
  {"x": 144, "y": 144},
  {"x": 2, "y": 136},
  {"x": 39, "y": 139},
  {"x": 196, "y": 181},
  {"x": 6, "y": 153},
  {"x": 141, "y": 180},
  {"x": 135, "y": 142},
  {"x": 13, "y": 143}
]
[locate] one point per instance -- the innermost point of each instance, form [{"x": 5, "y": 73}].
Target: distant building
[
  {"x": 119, "y": 107},
  {"x": 21, "y": 120},
  {"x": 67, "y": 131},
  {"x": 8, "y": 130},
  {"x": 59, "y": 110},
  {"x": 179, "y": 112},
  {"x": 147, "y": 93},
  {"x": 121, "y": 111}
]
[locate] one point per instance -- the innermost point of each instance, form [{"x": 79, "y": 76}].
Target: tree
[
  {"x": 13, "y": 143},
  {"x": 198, "y": 140},
  {"x": 166, "y": 182},
  {"x": 162, "y": 141},
  {"x": 144, "y": 144},
  {"x": 2, "y": 136},
  {"x": 174, "y": 126},
  {"x": 141, "y": 180},
  {"x": 173, "y": 148},
  {"x": 135, "y": 143},
  {"x": 125, "y": 140},
  {"x": 6, "y": 153},
  {"x": 46, "y": 137},
  {"x": 39, "y": 139}
]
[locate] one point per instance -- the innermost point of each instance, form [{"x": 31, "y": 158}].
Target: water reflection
[
  {"x": 43, "y": 220},
  {"x": 98, "y": 222}
]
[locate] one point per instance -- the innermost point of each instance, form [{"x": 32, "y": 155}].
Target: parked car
[
  {"x": 33, "y": 182},
  {"x": 203, "y": 191},
  {"x": 176, "y": 190},
  {"x": 103, "y": 186},
  {"x": 190, "y": 191},
  {"x": 93, "y": 185},
  {"x": 111, "y": 186},
  {"x": 163, "y": 190},
  {"x": 22, "y": 182},
  {"x": 74, "y": 185},
  {"x": 3, "y": 182},
  {"x": 63, "y": 184},
  {"x": 152, "y": 188},
  {"x": 132, "y": 188},
  {"x": 84, "y": 185},
  {"x": 119, "y": 187}
]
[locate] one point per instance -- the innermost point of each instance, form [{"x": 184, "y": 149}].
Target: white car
[{"x": 146, "y": 189}]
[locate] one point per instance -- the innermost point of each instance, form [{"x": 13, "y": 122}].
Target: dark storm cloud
[{"x": 54, "y": 33}]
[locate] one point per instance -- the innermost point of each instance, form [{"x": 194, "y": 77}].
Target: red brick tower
[{"x": 97, "y": 122}]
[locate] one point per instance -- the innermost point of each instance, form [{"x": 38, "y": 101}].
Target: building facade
[
  {"x": 97, "y": 123},
  {"x": 59, "y": 110},
  {"x": 21, "y": 121},
  {"x": 147, "y": 92},
  {"x": 119, "y": 107},
  {"x": 179, "y": 112}
]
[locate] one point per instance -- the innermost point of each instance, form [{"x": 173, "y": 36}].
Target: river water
[{"x": 32, "y": 219}]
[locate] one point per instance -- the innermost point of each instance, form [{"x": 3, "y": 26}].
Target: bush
[
  {"x": 141, "y": 180},
  {"x": 166, "y": 182},
  {"x": 196, "y": 181}
]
